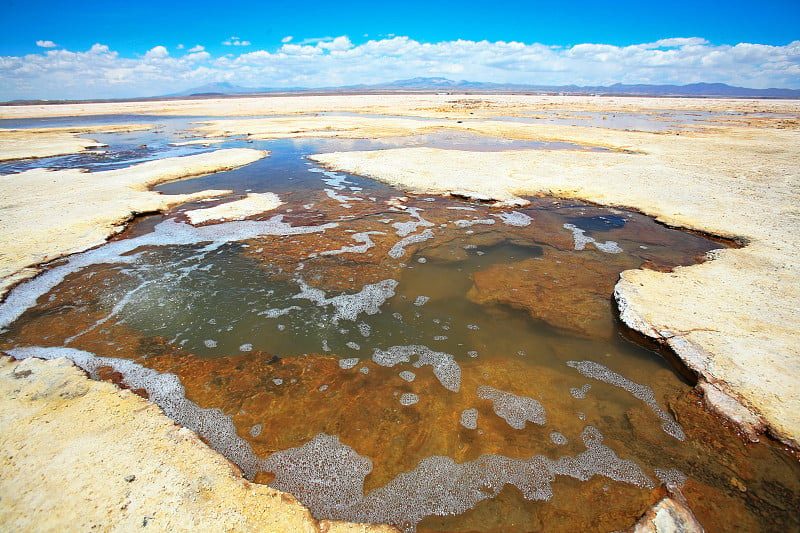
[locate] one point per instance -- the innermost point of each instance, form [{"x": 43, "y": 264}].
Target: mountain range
[{"x": 425, "y": 85}]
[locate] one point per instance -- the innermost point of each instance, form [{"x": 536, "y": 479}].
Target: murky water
[{"x": 426, "y": 362}]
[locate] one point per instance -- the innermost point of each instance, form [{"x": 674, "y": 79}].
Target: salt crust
[
  {"x": 166, "y": 391},
  {"x": 47, "y": 214},
  {"x": 590, "y": 369},
  {"x": 48, "y": 142},
  {"x": 581, "y": 240},
  {"x": 252, "y": 204}
]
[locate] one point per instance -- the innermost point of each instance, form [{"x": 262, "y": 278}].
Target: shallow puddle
[{"x": 421, "y": 361}]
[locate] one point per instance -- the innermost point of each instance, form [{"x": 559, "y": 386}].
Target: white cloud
[
  {"x": 324, "y": 62},
  {"x": 46, "y": 44},
  {"x": 179, "y": 47},
  {"x": 338, "y": 44},
  {"x": 287, "y": 39},
  {"x": 235, "y": 41},
  {"x": 157, "y": 52}
]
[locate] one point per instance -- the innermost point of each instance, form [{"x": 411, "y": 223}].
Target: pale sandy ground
[
  {"x": 130, "y": 466},
  {"x": 428, "y": 105},
  {"x": 250, "y": 205},
  {"x": 47, "y": 214},
  {"x": 48, "y": 142}
]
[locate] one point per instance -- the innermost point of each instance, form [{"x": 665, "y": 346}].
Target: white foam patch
[
  {"x": 421, "y": 300},
  {"x": 515, "y": 218},
  {"x": 558, "y": 439},
  {"x": 468, "y": 223},
  {"x": 516, "y": 410},
  {"x": 348, "y": 363},
  {"x": 444, "y": 365},
  {"x": 399, "y": 249},
  {"x": 439, "y": 486},
  {"x": 408, "y": 375},
  {"x": 581, "y": 240},
  {"x": 324, "y": 474},
  {"x": 671, "y": 477},
  {"x": 469, "y": 418},
  {"x": 580, "y": 394},
  {"x": 166, "y": 391},
  {"x": 349, "y": 306},
  {"x": 408, "y": 398},
  {"x": 590, "y": 369},
  {"x": 406, "y": 228},
  {"x": 363, "y": 238},
  {"x": 167, "y": 233}
]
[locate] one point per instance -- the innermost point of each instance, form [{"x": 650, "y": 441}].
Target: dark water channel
[{"x": 426, "y": 362}]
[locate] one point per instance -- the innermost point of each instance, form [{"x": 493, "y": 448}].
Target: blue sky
[{"x": 106, "y": 49}]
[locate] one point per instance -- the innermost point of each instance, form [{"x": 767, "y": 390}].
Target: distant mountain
[{"x": 446, "y": 85}]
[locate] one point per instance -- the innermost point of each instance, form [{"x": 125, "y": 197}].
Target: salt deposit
[{"x": 166, "y": 391}]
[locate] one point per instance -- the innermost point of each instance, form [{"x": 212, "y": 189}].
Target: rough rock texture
[
  {"x": 670, "y": 515},
  {"x": 250, "y": 205},
  {"x": 78, "y": 454},
  {"x": 724, "y": 318},
  {"x": 47, "y": 214},
  {"x": 48, "y": 142}
]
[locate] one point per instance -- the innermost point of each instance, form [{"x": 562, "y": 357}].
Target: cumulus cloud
[
  {"x": 46, "y": 44},
  {"x": 235, "y": 41},
  {"x": 324, "y": 62},
  {"x": 287, "y": 39}
]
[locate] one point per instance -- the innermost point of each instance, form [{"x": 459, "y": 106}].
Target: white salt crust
[
  {"x": 515, "y": 218},
  {"x": 590, "y": 369}
]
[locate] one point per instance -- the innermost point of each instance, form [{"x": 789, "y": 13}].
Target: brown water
[{"x": 441, "y": 365}]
